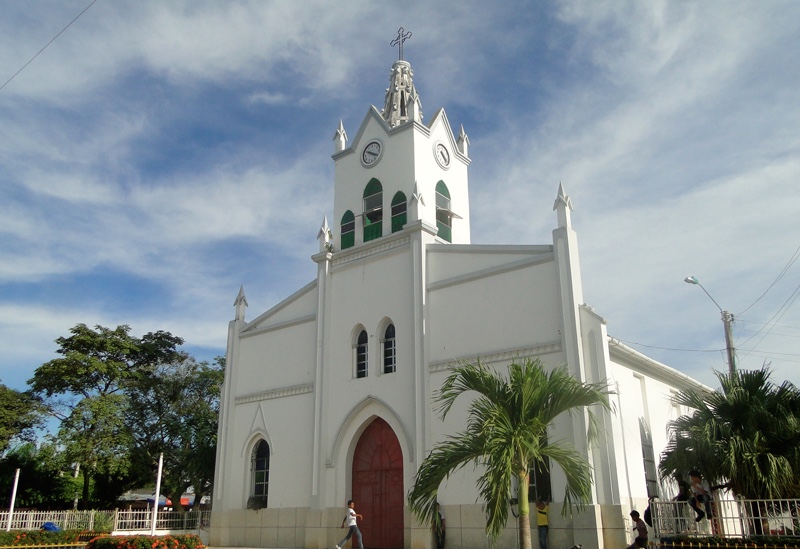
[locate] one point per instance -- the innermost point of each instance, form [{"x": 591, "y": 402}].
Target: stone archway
[{"x": 378, "y": 486}]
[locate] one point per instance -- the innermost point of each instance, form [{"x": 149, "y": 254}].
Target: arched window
[
  {"x": 399, "y": 215},
  {"x": 361, "y": 354},
  {"x": 389, "y": 350},
  {"x": 373, "y": 210},
  {"x": 259, "y": 471},
  {"x": 348, "y": 230},
  {"x": 444, "y": 216}
]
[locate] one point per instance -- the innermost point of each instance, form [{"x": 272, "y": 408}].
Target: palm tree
[
  {"x": 746, "y": 435},
  {"x": 507, "y": 434}
]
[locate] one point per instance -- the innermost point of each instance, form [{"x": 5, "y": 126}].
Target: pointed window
[
  {"x": 444, "y": 216},
  {"x": 373, "y": 210},
  {"x": 389, "y": 350},
  {"x": 361, "y": 354},
  {"x": 539, "y": 479},
  {"x": 348, "y": 230},
  {"x": 399, "y": 212},
  {"x": 259, "y": 470},
  {"x": 649, "y": 459}
]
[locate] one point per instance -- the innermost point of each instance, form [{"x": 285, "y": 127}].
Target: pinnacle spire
[
  {"x": 563, "y": 207},
  {"x": 240, "y": 303}
]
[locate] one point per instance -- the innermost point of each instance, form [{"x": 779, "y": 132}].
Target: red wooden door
[{"x": 378, "y": 486}]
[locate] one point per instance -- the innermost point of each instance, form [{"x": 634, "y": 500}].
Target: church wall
[
  {"x": 277, "y": 359},
  {"x": 501, "y": 311},
  {"x": 297, "y": 306},
  {"x": 286, "y": 423},
  {"x": 642, "y": 392},
  {"x": 428, "y": 173},
  {"x": 355, "y": 289},
  {"x": 352, "y": 177},
  {"x": 448, "y": 261}
]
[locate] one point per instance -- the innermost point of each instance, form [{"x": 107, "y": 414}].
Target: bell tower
[{"x": 398, "y": 170}]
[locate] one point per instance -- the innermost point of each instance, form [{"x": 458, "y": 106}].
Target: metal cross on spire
[{"x": 402, "y": 36}]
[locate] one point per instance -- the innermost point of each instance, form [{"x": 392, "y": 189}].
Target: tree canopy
[
  {"x": 20, "y": 414},
  {"x": 506, "y": 434},
  {"x": 745, "y": 435},
  {"x": 86, "y": 390},
  {"x": 173, "y": 409}
]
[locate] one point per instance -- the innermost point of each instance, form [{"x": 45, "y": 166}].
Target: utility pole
[{"x": 727, "y": 319}]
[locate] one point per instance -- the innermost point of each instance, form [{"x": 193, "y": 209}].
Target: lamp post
[{"x": 727, "y": 318}]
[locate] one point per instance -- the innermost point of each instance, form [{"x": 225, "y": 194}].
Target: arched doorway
[{"x": 378, "y": 486}]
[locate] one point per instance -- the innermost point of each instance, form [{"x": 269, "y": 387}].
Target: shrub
[
  {"x": 42, "y": 537},
  {"x": 178, "y": 541}
]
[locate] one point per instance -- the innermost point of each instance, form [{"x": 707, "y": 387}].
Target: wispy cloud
[{"x": 158, "y": 155}]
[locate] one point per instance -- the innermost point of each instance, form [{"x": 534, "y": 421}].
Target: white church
[{"x": 328, "y": 395}]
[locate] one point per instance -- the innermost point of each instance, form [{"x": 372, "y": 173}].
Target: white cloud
[{"x": 159, "y": 142}]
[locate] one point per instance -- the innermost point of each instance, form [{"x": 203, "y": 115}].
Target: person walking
[
  {"x": 542, "y": 509},
  {"x": 641, "y": 532},
  {"x": 351, "y": 522}
]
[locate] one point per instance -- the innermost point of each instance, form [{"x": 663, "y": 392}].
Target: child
[
  {"x": 641, "y": 531},
  {"x": 702, "y": 492},
  {"x": 350, "y": 519},
  {"x": 542, "y": 508}
]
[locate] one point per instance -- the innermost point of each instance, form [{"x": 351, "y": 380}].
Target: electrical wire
[
  {"x": 791, "y": 262},
  {"x": 45, "y": 46}
]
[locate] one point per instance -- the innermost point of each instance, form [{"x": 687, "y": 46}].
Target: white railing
[
  {"x": 66, "y": 520},
  {"x": 731, "y": 518},
  {"x": 141, "y": 519},
  {"x": 117, "y": 520}
]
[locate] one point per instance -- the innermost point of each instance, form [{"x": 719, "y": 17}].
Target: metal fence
[
  {"x": 66, "y": 520},
  {"x": 139, "y": 520},
  {"x": 142, "y": 519},
  {"x": 731, "y": 518}
]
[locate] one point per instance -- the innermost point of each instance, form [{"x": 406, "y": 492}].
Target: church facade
[{"x": 328, "y": 395}]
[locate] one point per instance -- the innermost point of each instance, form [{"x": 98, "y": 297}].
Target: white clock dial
[
  {"x": 442, "y": 155},
  {"x": 371, "y": 153}
]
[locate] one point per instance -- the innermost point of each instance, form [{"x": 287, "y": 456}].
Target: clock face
[
  {"x": 371, "y": 153},
  {"x": 442, "y": 155}
]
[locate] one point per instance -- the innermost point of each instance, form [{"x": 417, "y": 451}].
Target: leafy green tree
[
  {"x": 88, "y": 384},
  {"x": 45, "y": 479},
  {"x": 745, "y": 434},
  {"x": 174, "y": 409},
  {"x": 506, "y": 434},
  {"x": 20, "y": 414}
]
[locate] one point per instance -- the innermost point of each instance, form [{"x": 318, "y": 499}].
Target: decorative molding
[
  {"x": 279, "y": 326},
  {"x": 492, "y": 271},
  {"x": 382, "y": 245},
  {"x": 293, "y": 390},
  {"x": 498, "y": 356}
]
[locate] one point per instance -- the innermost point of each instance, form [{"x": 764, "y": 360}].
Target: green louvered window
[
  {"x": 399, "y": 212},
  {"x": 444, "y": 216},
  {"x": 348, "y": 230},
  {"x": 373, "y": 210}
]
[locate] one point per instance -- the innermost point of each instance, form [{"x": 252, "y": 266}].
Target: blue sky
[{"x": 158, "y": 155}]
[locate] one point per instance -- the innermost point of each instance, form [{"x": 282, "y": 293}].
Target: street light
[{"x": 727, "y": 318}]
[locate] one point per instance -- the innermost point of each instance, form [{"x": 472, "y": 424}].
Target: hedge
[
  {"x": 43, "y": 537},
  {"x": 177, "y": 541}
]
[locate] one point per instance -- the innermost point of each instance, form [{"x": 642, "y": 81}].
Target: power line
[
  {"x": 791, "y": 262},
  {"x": 45, "y": 46},
  {"x": 777, "y": 316},
  {"x": 753, "y": 351}
]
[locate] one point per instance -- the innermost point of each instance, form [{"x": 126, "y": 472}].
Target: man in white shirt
[{"x": 350, "y": 519}]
